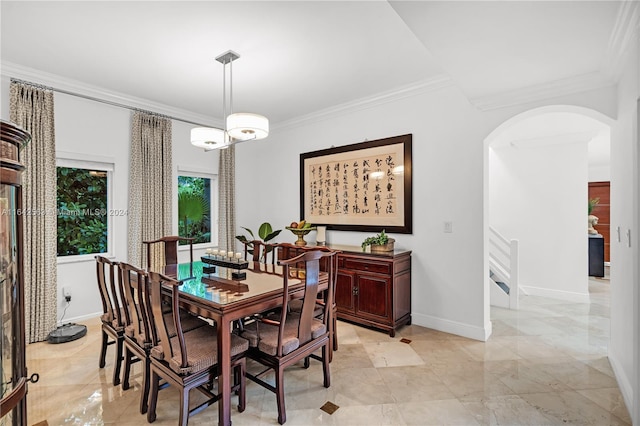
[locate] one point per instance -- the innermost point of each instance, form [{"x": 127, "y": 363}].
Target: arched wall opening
[{"x": 537, "y": 166}]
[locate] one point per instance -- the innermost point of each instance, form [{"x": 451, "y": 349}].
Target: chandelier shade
[
  {"x": 247, "y": 126},
  {"x": 208, "y": 137},
  {"x": 239, "y": 127}
]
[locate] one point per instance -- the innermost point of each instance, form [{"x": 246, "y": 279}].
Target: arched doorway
[{"x": 536, "y": 170}]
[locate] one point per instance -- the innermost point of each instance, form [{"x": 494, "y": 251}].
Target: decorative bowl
[{"x": 300, "y": 233}]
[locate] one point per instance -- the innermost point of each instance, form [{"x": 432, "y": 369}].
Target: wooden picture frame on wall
[{"x": 365, "y": 186}]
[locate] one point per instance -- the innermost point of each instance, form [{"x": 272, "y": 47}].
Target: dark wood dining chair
[
  {"x": 280, "y": 341},
  {"x": 187, "y": 360},
  {"x": 329, "y": 265},
  {"x": 170, "y": 247},
  {"x": 137, "y": 331},
  {"x": 113, "y": 315}
]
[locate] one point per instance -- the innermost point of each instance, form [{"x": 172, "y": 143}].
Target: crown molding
[
  {"x": 538, "y": 92},
  {"x": 624, "y": 30},
  {"x": 62, "y": 84},
  {"x": 413, "y": 89}
]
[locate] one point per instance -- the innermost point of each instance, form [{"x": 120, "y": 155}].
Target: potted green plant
[
  {"x": 379, "y": 243},
  {"x": 265, "y": 232}
]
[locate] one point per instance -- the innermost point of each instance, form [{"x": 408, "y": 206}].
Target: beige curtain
[
  {"x": 150, "y": 186},
  {"x": 227, "y": 199},
  {"x": 31, "y": 108}
]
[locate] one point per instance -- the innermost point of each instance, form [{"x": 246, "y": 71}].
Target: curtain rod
[{"x": 104, "y": 101}]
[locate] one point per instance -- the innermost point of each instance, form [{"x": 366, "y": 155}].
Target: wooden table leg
[{"x": 224, "y": 372}]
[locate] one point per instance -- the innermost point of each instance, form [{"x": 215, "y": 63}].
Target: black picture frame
[{"x": 332, "y": 200}]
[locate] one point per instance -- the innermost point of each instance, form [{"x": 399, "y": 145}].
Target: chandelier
[{"x": 239, "y": 126}]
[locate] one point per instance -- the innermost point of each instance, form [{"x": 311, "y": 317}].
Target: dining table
[{"x": 218, "y": 296}]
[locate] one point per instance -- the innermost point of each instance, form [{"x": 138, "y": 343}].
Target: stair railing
[{"x": 503, "y": 262}]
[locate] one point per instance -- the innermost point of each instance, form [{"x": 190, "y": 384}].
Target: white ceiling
[{"x": 298, "y": 58}]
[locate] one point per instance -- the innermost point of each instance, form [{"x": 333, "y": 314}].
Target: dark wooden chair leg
[
  {"x": 184, "y": 407},
  {"x": 282, "y": 414},
  {"x": 128, "y": 355},
  {"x": 325, "y": 365},
  {"x": 103, "y": 350},
  {"x": 144, "y": 399},
  {"x": 153, "y": 397},
  {"x": 242, "y": 400},
  {"x": 118, "y": 362}
]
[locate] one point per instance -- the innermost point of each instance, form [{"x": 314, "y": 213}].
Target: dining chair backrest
[
  {"x": 311, "y": 260},
  {"x": 110, "y": 292},
  {"x": 161, "y": 336},
  {"x": 134, "y": 284},
  {"x": 285, "y": 251},
  {"x": 169, "y": 246},
  {"x": 258, "y": 251}
]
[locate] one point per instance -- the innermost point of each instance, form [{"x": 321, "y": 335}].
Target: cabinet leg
[{"x": 392, "y": 333}]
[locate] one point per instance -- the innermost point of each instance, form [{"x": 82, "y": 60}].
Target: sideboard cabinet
[{"x": 374, "y": 289}]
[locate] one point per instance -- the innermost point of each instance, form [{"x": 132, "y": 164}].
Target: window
[
  {"x": 83, "y": 208},
  {"x": 195, "y": 210}
]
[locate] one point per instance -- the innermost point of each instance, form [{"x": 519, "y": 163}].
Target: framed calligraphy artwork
[{"x": 360, "y": 187}]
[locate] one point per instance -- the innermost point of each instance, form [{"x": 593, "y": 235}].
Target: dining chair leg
[
  {"x": 184, "y": 407},
  {"x": 334, "y": 321},
  {"x": 325, "y": 365},
  {"x": 144, "y": 398},
  {"x": 118, "y": 362},
  {"x": 103, "y": 350},
  {"x": 128, "y": 355},
  {"x": 241, "y": 381},
  {"x": 282, "y": 414},
  {"x": 154, "y": 383}
]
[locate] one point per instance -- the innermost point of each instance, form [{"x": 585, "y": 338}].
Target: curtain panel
[
  {"x": 227, "y": 199},
  {"x": 31, "y": 108},
  {"x": 150, "y": 186}
]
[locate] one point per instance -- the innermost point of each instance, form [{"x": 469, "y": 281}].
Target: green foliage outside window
[
  {"x": 194, "y": 208},
  {"x": 82, "y": 211}
]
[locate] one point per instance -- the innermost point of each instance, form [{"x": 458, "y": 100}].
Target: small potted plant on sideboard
[{"x": 379, "y": 243}]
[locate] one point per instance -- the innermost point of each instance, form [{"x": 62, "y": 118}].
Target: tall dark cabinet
[{"x": 13, "y": 369}]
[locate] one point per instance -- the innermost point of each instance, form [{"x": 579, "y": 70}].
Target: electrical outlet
[
  {"x": 448, "y": 227},
  {"x": 66, "y": 291}
]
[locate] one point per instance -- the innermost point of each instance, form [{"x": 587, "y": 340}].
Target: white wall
[
  {"x": 537, "y": 196},
  {"x": 448, "y": 137},
  {"x": 624, "y": 347}
]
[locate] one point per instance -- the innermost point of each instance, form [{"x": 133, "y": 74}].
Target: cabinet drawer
[{"x": 368, "y": 266}]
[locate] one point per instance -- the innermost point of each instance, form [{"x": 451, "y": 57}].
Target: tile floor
[{"x": 545, "y": 364}]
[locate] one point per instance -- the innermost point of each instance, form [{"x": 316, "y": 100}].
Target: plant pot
[{"x": 377, "y": 248}]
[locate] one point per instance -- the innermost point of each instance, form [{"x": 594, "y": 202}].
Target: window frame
[
  {"x": 89, "y": 163},
  {"x": 187, "y": 171}
]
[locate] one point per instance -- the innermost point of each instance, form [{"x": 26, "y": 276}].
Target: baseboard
[
  {"x": 624, "y": 384},
  {"x": 80, "y": 318},
  {"x": 452, "y": 327},
  {"x": 556, "y": 294}
]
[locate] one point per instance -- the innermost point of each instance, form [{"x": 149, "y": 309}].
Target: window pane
[
  {"x": 82, "y": 211},
  {"x": 194, "y": 208}
]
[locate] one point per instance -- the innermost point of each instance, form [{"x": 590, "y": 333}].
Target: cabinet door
[
  {"x": 373, "y": 296},
  {"x": 344, "y": 296}
]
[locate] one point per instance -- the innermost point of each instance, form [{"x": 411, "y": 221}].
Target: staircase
[{"x": 503, "y": 270}]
